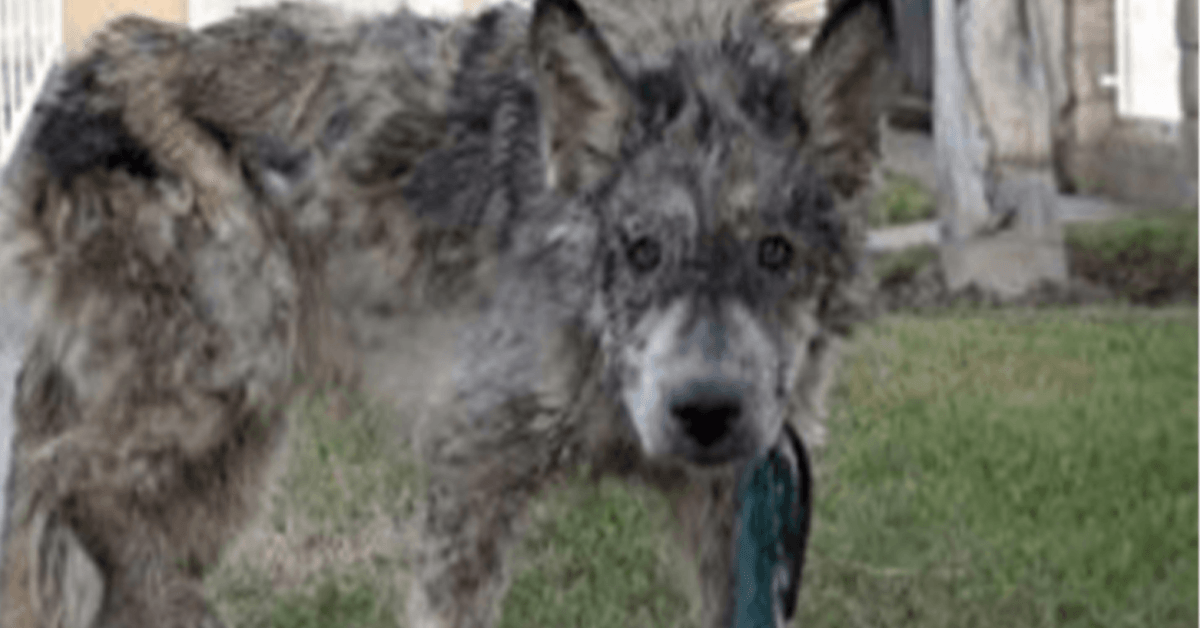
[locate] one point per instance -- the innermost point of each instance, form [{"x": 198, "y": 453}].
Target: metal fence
[{"x": 30, "y": 44}]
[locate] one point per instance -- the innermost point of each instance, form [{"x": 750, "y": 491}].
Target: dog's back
[{"x": 172, "y": 224}]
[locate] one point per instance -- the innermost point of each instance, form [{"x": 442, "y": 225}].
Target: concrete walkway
[
  {"x": 1070, "y": 209},
  {"x": 911, "y": 155}
]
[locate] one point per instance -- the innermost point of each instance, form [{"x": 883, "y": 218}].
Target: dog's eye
[
  {"x": 774, "y": 253},
  {"x": 644, "y": 254}
]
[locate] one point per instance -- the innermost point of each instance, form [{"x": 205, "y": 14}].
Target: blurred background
[{"x": 1128, "y": 69}]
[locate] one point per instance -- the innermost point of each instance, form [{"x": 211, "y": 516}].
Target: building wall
[
  {"x": 1100, "y": 152},
  {"x": 1093, "y": 52},
  {"x": 1142, "y": 161},
  {"x": 81, "y": 17},
  {"x": 204, "y": 12}
]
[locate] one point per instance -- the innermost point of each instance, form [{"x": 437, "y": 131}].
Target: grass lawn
[
  {"x": 1149, "y": 258},
  {"x": 1002, "y": 468},
  {"x": 326, "y": 550},
  {"x": 1162, "y": 233},
  {"x": 901, "y": 200},
  {"x": 1146, "y": 258},
  {"x": 1011, "y": 469}
]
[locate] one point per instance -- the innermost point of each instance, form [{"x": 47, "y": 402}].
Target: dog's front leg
[
  {"x": 748, "y": 528},
  {"x": 705, "y": 512},
  {"x": 481, "y": 477}
]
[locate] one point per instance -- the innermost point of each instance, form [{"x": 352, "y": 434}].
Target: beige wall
[
  {"x": 81, "y": 17},
  {"x": 1139, "y": 161}
]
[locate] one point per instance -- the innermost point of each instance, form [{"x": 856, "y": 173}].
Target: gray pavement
[
  {"x": 911, "y": 154},
  {"x": 1070, "y": 209}
]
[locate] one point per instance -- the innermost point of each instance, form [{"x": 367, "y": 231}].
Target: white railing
[{"x": 30, "y": 44}]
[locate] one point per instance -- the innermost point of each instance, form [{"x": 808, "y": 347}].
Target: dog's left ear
[
  {"x": 843, "y": 85},
  {"x": 585, "y": 103}
]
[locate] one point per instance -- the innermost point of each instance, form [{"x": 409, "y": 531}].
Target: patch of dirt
[{"x": 1137, "y": 277}]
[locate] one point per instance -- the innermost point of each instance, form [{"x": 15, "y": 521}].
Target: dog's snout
[{"x": 707, "y": 415}]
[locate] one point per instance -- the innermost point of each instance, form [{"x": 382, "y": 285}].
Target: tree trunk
[{"x": 998, "y": 91}]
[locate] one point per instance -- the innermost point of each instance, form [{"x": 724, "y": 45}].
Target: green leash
[{"x": 774, "y": 494}]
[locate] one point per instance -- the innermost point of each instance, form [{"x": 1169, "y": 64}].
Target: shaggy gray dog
[{"x": 626, "y": 236}]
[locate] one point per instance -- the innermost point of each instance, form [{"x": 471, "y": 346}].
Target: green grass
[
  {"x": 347, "y": 600},
  {"x": 1011, "y": 469},
  {"x": 901, "y": 201},
  {"x": 1145, "y": 259},
  {"x": 327, "y": 549},
  {"x": 1000, "y": 468},
  {"x": 344, "y": 470},
  {"x": 984, "y": 469},
  {"x": 600, "y": 557},
  {"x": 1170, "y": 235}
]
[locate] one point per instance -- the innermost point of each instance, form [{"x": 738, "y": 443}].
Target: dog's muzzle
[
  {"x": 711, "y": 421},
  {"x": 702, "y": 388},
  {"x": 707, "y": 412}
]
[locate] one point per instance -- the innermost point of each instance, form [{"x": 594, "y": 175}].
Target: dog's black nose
[{"x": 707, "y": 414}]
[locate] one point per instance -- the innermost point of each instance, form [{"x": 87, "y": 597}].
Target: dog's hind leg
[{"x": 83, "y": 547}]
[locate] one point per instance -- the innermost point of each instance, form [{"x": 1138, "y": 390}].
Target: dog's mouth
[{"x": 729, "y": 451}]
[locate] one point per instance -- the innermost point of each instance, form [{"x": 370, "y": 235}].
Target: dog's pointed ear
[
  {"x": 843, "y": 85},
  {"x": 585, "y": 102}
]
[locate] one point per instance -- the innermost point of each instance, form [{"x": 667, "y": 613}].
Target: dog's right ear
[
  {"x": 844, "y": 84},
  {"x": 585, "y": 102}
]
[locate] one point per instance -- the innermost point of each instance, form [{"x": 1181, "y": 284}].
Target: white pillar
[
  {"x": 1185, "y": 25},
  {"x": 961, "y": 148},
  {"x": 995, "y": 93}
]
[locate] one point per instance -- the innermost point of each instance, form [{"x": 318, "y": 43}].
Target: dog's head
[{"x": 722, "y": 176}]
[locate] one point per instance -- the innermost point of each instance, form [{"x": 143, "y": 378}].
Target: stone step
[{"x": 903, "y": 237}]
